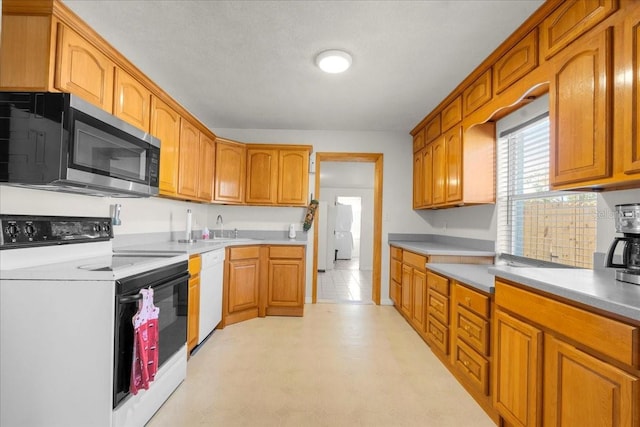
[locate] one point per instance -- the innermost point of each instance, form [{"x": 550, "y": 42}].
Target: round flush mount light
[{"x": 333, "y": 61}]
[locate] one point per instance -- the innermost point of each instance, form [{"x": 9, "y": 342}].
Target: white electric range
[{"x": 66, "y": 336}]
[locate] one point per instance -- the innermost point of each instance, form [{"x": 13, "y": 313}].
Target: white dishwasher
[{"x": 211, "y": 277}]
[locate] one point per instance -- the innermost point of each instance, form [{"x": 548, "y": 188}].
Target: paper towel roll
[{"x": 188, "y": 231}]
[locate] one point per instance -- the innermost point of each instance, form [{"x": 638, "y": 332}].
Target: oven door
[{"x": 170, "y": 286}]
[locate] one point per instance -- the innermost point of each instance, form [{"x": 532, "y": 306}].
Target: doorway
[{"x": 374, "y": 233}]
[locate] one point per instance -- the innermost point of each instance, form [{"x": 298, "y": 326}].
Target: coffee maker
[{"x": 627, "y": 223}]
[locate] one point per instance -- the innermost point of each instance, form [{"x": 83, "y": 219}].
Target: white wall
[{"x": 138, "y": 215}]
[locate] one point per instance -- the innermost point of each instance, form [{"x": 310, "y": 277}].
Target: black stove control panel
[{"x": 20, "y": 231}]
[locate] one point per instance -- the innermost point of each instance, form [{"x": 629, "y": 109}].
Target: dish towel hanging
[{"x": 145, "y": 343}]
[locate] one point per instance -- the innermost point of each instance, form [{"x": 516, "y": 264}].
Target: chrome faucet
[{"x": 221, "y": 224}]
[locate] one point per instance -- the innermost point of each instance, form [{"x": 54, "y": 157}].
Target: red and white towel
[{"x": 145, "y": 343}]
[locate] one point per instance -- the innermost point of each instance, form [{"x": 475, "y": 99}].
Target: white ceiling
[{"x": 250, "y": 64}]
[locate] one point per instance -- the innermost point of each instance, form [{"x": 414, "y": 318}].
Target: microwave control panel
[{"x": 24, "y": 231}]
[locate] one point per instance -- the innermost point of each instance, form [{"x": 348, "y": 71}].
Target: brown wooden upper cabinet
[
  {"x": 631, "y": 132},
  {"x": 165, "y": 125},
  {"x": 570, "y": 20},
  {"x": 580, "y": 110},
  {"x": 451, "y": 114},
  {"x": 206, "y": 168},
  {"x": 516, "y": 63},
  {"x": 83, "y": 70},
  {"x": 277, "y": 174},
  {"x": 418, "y": 140},
  {"x": 132, "y": 101},
  {"x": 189, "y": 160},
  {"x": 477, "y": 94},
  {"x": 230, "y": 172},
  {"x": 432, "y": 129},
  {"x": 262, "y": 175}
]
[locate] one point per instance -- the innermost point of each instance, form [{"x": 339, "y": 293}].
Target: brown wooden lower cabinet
[
  {"x": 262, "y": 280},
  {"x": 563, "y": 365},
  {"x": 193, "y": 314}
]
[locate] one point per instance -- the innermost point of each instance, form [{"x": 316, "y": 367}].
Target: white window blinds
[{"x": 534, "y": 222}]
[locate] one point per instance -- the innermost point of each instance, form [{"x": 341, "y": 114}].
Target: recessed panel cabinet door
[
  {"x": 230, "y": 171},
  {"x": 83, "y": 70},
  {"x": 206, "y": 168},
  {"x": 189, "y": 160},
  {"x": 132, "y": 100},
  {"x": 631, "y": 138},
  {"x": 293, "y": 177},
  {"x": 580, "y": 111},
  {"x": 580, "y": 390},
  {"x": 165, "y": 125},
  {"x": 517, "y": 370},
  {"x": 262, "y": 176}
]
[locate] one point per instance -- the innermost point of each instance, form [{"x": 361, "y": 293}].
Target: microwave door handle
[
  {"x": 612, "y": 249},
  {"x": 136, "y": 297}
]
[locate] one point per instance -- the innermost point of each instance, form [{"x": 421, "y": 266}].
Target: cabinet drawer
[
  {"x": 438, "y": 306},
  {"x": 610, "y": 337},
  {"x": 195, "y": 262},
  {"x": 244, "y": 252},
  {"x": 471, "y": 365},
  {"x": 396, "y": 270},
  {"x": 438, "y": 334},
  {"x": 396, "y": 253},
  {"x": 293, "y": 252},
  {"x": 472, "y": 329},
  {"x": 415, "y": 260},
  {"x": 472, "y": 300},
  {"x": 438, "y": 283}
]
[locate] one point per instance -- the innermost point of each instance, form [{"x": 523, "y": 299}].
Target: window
[{"x": 535, "y": 222}]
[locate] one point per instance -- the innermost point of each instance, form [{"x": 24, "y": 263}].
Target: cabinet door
[
  {"x": 243, "y": 286},
  {"x": 293, "y": 177},
  {"x": 632, "y": 92},
  {"x": 132, "y": 100},
  {"x": 193, "y": 317},
  {"x": 230, "y": 172},
  {"x": 580, "y": 111},
  {"x": 83, "y": 70},
  {"x": 517, "y": 359},
  {"x": 286, "y": 277},
  {"x": 165, "y": 125},
  {"x": 262, "y": 176},
  {"x": 419, "y": 287},
  {"x": 189, "y": 160},
  {"x": 453, "y": 150},
  {"x": 206, "y": 168},
  {"x": 477, "y": 94},
  {"x": 427, "y": 176},
  {"x": 439, "y": 172},
  {"x": 580, "y": 390},
  {"x": 516, "y": 63},
  {"x": 418, "y": 181},
  {"x": 406, "y": 297}
]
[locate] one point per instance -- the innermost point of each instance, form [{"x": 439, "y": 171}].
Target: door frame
[{"x": 377, "y": 159}]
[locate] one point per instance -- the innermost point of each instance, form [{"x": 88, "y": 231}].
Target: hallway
[
  {"x": 339, "y": 365},
  {"x": 345, "y": 284}
]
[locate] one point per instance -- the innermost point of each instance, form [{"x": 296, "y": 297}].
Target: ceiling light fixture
[{"x": 333, "y": 61}]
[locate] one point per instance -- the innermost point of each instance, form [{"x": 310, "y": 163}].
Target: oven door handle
[{"x": 133, "y": 298}]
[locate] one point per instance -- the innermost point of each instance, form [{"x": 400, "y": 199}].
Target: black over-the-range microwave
[{"x": 57, "y": 141}]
